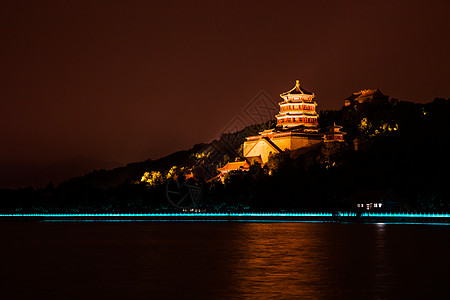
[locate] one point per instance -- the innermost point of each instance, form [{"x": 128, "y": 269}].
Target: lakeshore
[{"x": 338, "y": 217}]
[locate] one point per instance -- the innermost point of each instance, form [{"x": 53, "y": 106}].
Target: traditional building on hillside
[
  {"x": 297, "y": 127},
  {"x": 298, "y": 109},
  {"x": 365, "y": 96},
  {"x": 232, "y": 166},
  {"x": 334, "y": 134}
]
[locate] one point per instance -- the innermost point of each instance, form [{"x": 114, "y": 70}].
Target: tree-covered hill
[{"x": 402, "y": 152}]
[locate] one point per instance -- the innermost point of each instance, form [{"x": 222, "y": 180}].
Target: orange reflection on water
[
  {"x": 225, "y": 260},
  {"x": 281, "y": 260}
]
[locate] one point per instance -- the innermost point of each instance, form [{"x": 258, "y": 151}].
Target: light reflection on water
[{"x": 224, "y": 260}]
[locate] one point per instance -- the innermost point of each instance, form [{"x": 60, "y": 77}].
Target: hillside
[
  {"x": 402, "y": 152},
  {"x": 19, "y": 175}
]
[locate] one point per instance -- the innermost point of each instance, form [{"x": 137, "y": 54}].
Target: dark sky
[{"x": 130, "y": 80}]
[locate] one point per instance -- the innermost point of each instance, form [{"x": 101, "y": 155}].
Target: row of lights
[{"x": 375, "y": 214}]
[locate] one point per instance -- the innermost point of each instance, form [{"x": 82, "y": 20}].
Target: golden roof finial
[{"x": 297, "y": 82}]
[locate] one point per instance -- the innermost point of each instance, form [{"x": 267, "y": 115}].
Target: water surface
[{"x": 224, "y": 260}]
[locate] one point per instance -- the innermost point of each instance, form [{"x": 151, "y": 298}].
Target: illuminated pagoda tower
[
  {"x": 298, "y": 110},
  {"x": 297, "y": 127},
  {"x": 334, "y": 134}
]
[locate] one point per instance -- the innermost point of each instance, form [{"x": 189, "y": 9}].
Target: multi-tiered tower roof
[
  {"x": 297, "y": 127},
  {"x": 298, "y": 110}
]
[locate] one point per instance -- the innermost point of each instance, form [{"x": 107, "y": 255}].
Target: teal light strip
[
  {"x": 382, "y": 215},
  {"x": 176, "y": 215}
]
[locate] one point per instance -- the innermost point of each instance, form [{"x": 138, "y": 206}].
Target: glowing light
[
  {"x": 152, "y": 177},
  {"x": 272, "y": 214}
]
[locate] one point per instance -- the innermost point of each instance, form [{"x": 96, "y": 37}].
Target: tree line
[{"x": 402, "y": 148}]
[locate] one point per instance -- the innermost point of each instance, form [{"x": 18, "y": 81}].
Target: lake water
[{"x": 224, "y": 260}]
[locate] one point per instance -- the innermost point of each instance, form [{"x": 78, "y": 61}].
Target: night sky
[{"x": 124, "y": 81}]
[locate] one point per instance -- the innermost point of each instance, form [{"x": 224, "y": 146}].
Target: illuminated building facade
[
  {"x": 232, "y": 166},
  {"x": 367, "y": 95},
  {"x": 297, "y": 127},
  {"x": 298, "y": 108},
  {"x": 334, "y": 134}
]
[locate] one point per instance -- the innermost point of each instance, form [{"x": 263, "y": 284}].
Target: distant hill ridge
[
  {"x": 228, "y": 144},
  {"x": 17, "y": 175}
]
